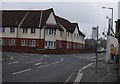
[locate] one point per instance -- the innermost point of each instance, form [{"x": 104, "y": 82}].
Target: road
[{"x": 24, "y": 67}]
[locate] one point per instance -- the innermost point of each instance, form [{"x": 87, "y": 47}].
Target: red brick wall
[
  {"x": 57, "y": 44},
  {"x": 18, "y": 42}
]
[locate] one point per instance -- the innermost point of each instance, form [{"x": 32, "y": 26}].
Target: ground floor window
[
  {"x": 2, "y": 41},
  {"x": 70, "y": 45},
  {"x": 12, "y": 42},
  {"x": 50, "y": 44},
  {"x": 74, "y": 45},
  {"x": 24, "y": 43},
  {"x": 67, "y": 45},
  {"x": 32, "y": 42}
]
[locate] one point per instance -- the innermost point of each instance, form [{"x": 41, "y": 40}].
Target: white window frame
[
  {"x": 24, "y": 43},
  {"x": 32, "y": 42},
  {"x": 71, "y": 35},
  {"x": 61, "y": 33},
  {"x": 74, "y": 35},
  {"x": 67, "y": 45},
  {"x": 2, "y": 41},
  {"x": 54, "y": 31},
  {"x": 12, "y": 30},
  {"x": 12, "y": 42},
  {"x": 70, "y": 45},
  {"x": 33, "y": 30},
  {"x": 3, "y": 29},
  {"x": 54, "y": 43},
  {"x": 46, "y": 31},
  {"x": 24, "y": 30}
]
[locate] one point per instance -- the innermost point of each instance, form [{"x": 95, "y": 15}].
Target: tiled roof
[
  {"x": 35, "y": 19},
  {"x": 32, "y": 20},
  {"x": 12, "y": 18},
  {"x": 65, "y": 23}
]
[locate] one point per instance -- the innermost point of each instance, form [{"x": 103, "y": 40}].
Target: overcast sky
[{"x": 87, "y": 14}]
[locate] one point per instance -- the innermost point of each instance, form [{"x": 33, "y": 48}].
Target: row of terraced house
[{"x": 41, "y": 29}]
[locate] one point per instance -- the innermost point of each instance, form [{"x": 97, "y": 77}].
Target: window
[
  {"x": 33, "y": 31},
  {"x": 67, "y": 45},
  {"x": 70, "y": 45},
  {"x": 54, "y": 43},
  {"x": 60, "y": 33},
  {"x": 3, "y": 30},
  {"x": 25, "y": 30},
  {"x": 50, "y": 43},
  {"x": 54, "y": 32},
  {"x": 2, "y": 41},
  {"x": 68, "y": 34},
  {"x": 46, "y": 31},
  {"x": 12, "y": 30},
  {"x": 74, "y": 35},
  {"x": 71, "y": 35},
  {"x": 50, "y": 31},
  {"x": 32, "y": 42},
  {"x": 24, "y": 43},
  {"x": 74, "y": 46},
  {"x": 12, "y": 42},
  {"x": 77, "y": 36}
]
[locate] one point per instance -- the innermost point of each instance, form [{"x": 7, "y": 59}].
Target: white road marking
[
  {"x": 62, "y": 59},
  {"x": 78, "y": 78},
  {"x": 69, "y": 78},
  {"x": 38, "y": 63},
  {"x": 21, "y": 71},
  {"x": 80, "y": 74},
  {"x": 43, "y": 66},
  {"x": 55, "y": 62},
  {"x": 45, "y": 55},
  {"x": 87, "y": 66},
  {"x": 14, "y": 62}
]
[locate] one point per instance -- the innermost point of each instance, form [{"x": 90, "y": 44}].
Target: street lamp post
[{"x": 111, "y": 17}]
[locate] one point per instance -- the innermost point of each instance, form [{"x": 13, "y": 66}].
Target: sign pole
[{"x": 97, "y": 50}]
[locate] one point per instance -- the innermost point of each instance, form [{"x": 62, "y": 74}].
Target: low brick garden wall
[{"x": 46, "y": 51}]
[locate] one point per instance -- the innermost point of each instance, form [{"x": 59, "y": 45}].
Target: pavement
[{"x": 105, "y": 72}]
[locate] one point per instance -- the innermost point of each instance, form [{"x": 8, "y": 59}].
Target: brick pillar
[{"x": 57, "y": 44}]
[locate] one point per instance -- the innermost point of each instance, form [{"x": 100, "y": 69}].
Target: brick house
[{"x": 40, "y": 29}]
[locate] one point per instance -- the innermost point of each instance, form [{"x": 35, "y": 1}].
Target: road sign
[{"x": 94, "y": 32}]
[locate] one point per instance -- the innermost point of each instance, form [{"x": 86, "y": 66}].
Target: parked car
[{"x": 102, "y": 50}]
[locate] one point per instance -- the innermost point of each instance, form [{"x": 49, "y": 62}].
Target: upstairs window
[
  {"x": 68, "y": 34},
  {"x": 25, "y": 30},
  {"x": 50, "y": 32},
  {"x": 77, "y": 36},
  {"x": 71, "y": 35},
  {"x": 46, "y": 31},
  {"x": 33, "y": 31},
  {"x": 3, "y": 30},
  {"x": 12, "y": 30},
  {"x": 74, "y": 35},
  {"x": 60, "y": 33}
]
